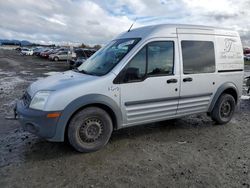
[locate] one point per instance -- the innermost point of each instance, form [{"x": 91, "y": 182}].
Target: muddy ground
[{"x": 187, "y": 152}]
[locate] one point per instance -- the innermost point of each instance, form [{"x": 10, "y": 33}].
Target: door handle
[
  {"x": 188, "y": 79},
  {"x": 172, "y": 81}
]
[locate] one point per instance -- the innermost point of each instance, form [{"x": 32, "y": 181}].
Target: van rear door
[{"x": 198, "y": 70}]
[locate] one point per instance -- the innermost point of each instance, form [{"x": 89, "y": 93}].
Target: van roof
[{"x": 170, "y": 30}]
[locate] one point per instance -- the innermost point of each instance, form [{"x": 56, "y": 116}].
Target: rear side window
[{"x": 198, "y": 57}]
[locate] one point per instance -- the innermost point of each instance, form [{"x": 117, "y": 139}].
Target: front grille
[{"x": 26, "y": 99}]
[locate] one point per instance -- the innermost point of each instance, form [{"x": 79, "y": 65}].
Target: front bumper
[{"x": 36, "y": 121}]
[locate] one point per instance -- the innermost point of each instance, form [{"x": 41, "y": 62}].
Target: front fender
[{"x": 79, "y": 103}]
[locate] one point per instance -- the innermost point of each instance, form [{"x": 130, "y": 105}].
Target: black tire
[
  {"x": 90, "y": 129},
  {"x": 56, "y": 59},
  {"x": 224, "y": 109}
]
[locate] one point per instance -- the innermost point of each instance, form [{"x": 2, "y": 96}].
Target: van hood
[{"x": 59, "y": 81}]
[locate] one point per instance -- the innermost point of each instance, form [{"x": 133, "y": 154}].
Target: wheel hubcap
[
  {"x": 225, "y": 109},
  {"x": 91, "y": 130}
]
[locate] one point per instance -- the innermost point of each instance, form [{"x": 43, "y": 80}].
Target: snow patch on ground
[
  {"x": 245, "y": 97},
  {"x": 9, "y": 83},
  {"x": 246, "y": 73},
  {"x": 4, "y": 73},
  {"x": 10, "y": 104},
  {"x": 50, "y": 73},
  {"x": 26, "y": 72},
  {"x": 39, "y": 78}
]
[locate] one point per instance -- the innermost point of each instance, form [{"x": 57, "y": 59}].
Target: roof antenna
[{"x": 132, "y": 25}]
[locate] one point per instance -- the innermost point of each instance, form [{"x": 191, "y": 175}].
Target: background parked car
[
  {"x": 81, "y": 56},
  {"x": 246, "y": 51},
  {"x": 18, "y": 49},
  {"x": 36, "y": 48},
  {"x": 76, "y": 63},
  {"x": 248, "y": 84},
  {"x": 46, "y": 53},
  {"x": 64, "y": 55},
  {"x": 247, "y": 57},
  {"x": 42, "y": 53},
  {"x": 60, "y": 50},
  {"x": 26, "y": 51},
  {"x": 37, "y": 52}
]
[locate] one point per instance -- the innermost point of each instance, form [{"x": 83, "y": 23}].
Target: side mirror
[{"x": 131, "y": 74}]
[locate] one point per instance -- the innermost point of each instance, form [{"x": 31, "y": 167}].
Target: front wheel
[
  {"x": 224, "y": 109},
  {"x": 90, "y": 129}
]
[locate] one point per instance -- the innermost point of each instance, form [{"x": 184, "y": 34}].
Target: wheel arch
[
  {"x": 228, "y": 88},
  {"x": 97, "y": 100}
]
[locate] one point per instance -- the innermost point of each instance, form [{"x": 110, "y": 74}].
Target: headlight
[{"x": 39, "y": 100}]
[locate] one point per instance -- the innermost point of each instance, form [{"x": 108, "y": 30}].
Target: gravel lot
[{"x": 187, "y": 152}]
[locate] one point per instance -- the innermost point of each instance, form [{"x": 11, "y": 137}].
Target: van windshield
[{"x": 105, "y": 59}]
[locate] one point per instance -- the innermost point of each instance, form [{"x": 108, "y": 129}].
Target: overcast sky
[{"x": 97, "y": 21}]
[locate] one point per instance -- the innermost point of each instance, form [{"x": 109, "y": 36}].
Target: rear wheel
[
  {"x": 90, "y": 129},
  {"x": 224, "y": 109}
]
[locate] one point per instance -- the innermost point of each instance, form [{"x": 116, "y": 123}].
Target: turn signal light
[{"x": 53, "y": 115}]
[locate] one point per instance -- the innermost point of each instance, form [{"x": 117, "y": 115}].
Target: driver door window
[
  {"x": 160, "y": 58},
  {"x": 154, "y": 59}
]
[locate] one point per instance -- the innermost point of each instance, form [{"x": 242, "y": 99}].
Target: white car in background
[{"x": 26, "y": 51}]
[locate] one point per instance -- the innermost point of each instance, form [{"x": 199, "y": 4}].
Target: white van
[{"x": 144, "y": 75}]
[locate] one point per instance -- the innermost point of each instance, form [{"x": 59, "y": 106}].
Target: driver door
[{"x": 150, "y": 84}]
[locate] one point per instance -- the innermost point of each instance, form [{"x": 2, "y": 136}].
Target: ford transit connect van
[{"x": 144, "y": 75}]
